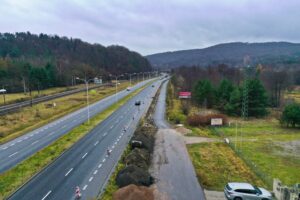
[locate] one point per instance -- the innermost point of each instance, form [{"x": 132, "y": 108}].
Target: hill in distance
[
  {"x": 25, "y": 56},
  {"x": 233, "y": 54}
]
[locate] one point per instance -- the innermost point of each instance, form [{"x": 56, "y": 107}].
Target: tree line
[
  {"x": 228, "y": 88},
  {"x": 50, "y": 60}
]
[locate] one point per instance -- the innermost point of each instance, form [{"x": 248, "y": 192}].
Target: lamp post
[
  {"x": 116, "y": 77},
  {"x": 87, "y": 95},
  {"x": 130, "y": 77}
]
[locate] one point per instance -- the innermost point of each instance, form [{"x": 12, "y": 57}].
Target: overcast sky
[{"x": 152, "y": 26}]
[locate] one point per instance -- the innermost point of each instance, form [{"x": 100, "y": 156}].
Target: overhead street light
[{"x": 87, "y": 95}]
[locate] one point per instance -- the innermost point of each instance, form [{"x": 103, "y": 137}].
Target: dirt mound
[
  {"x": 133, "y": 192},
  {"x": 133, "y": 175},
  {"x": 146, "y": 139},
  {"x": 138, "y": 157}
]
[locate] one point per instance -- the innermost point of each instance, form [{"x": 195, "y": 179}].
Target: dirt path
[
  {"x": 171, "y": 164},
  {"x": 195, "y": 140}
]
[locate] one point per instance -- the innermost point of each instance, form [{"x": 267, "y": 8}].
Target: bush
[
  {"x": 291, "y": 115},
  {"x": 205, "y": 120}
]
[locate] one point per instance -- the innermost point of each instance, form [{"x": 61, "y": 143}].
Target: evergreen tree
[
  {"x": 223, "y": 93},
  {"x": 291, "y": 115},
  {"x": 257, "y": 98},
  {"x": 233, "y": 107},
  {"x": 204, "y": 93}
]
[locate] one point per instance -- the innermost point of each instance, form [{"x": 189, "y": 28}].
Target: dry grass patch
[{"x": 216, "y": 164}]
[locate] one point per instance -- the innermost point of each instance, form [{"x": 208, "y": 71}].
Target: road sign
[
  {"x": 185, "y": 95},
  {"x": 216, "y": 121}
]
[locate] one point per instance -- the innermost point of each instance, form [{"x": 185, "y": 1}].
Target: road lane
[
  {"x": 52, "y": 131},
  {"x": 90, "y": 164}
]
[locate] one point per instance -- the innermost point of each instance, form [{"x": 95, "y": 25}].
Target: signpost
[
  {"x": 3, "y": 91},
  {"x": 216, "y": 121},
  {"x": 185, "y": 95}
]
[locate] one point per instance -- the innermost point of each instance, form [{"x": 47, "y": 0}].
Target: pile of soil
[
  {"x": 133, "y": 175},
  {"x": 138, "y": 157},
  {"x": 133, "y": 192}
]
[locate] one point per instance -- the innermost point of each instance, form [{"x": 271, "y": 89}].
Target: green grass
[
  {"x": 271, "y": 150},
  {"x": 15, "y": 177},
  {"x": 216, "y": 164},
  {"x": 200, "y": 132},
  {"x": 16, "y": 124}
]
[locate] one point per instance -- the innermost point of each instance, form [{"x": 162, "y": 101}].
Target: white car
[{"x": 246, "y": 191}]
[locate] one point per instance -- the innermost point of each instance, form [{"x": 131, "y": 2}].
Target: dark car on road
[{"x": 137, "y": 103}]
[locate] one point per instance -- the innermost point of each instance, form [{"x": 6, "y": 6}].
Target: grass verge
[
  {"x": 15, "y": 177},
  {"x": 16, "y": 124},
  {"x": 216, "y": 164}
]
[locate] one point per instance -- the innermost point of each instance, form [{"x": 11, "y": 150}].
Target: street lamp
[
  {"x": 116, "y": 84},
  {"x": 130, "y": 77},
  {"x": 87, "y": 95}
]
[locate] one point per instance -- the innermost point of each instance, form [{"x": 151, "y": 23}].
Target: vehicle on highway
[
  {"x": 137, "y": 103},
  {"x": 77, "y": 193},
  {"x": 128, "y": 89},
  {"x": 152, "y": 85},
  {"x": 245, "y": 191}
]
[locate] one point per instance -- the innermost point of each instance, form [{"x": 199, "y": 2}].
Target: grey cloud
[{"x": 156, "y": 25}]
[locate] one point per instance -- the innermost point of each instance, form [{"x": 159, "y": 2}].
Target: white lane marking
[
  {"x": 111, "y": 126},
  {"x": 25, "y": 138},
  {"x": 68, "y": 172},
  {"x": 104, "y": 160},
  {"x": 91, "y": 179},
  {"x": 84, "y": 187},
  {"x": 31, "y": 135},
  {"x": 95, "y": 172},
  {"x": 99, "y": 166},
  {"x": 12, "y": 144},
  {"x": 84, "y": 155},
  {"x": 46, "y": 195},
  {"x": 4, "y": 148},
  {"x": 105, "y": 134},
  {"x": 19, "y": 140},
  {"x": 13, "y": 154},
  {"x": 51, "y": 133},
  {"x": 75, "y": 120},
  {"x": 96, "y": 143},
  {"x": 116, "y": 143},
  {"x": 113, "y": 146},
  {"x": 34, "y": 142}
]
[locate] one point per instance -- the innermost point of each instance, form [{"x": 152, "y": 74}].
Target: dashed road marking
[
  {"x": 111, "y": 126},
  {"x": 105, "y": 134},
  {"x": 13, "y": 154},
  {"x": 46, "y": 195},
  {"x": 12, "y": 144},
  {"x": 68, "y": 172},
  {"x": 96, "y": 143},
  {"x": 100, "y": 165},
  {"x": 84, "y": 187},
  {"x": 95, "y": 172},
  {"x": 104, "y": 160},
  {"x": 4, "y": 148},
  {"x": 84, "y": 155},
  {"x": 91, "y": 179},
  {"x": 34, "y": 142},
  {"x": 51, "y": 133},
  {"x": 113, "y": 146}
]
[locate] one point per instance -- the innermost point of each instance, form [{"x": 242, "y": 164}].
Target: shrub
[{"x": 204, "y": 120}]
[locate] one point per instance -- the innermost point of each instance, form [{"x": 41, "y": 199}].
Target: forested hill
[
  {"x": 232, "y": 54},
  {"x": 66, "y": 57}
]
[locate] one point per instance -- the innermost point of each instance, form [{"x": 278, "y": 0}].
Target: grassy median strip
[
  {"x": 16, "y": 124},
  {"x": 15, "y": 177}
]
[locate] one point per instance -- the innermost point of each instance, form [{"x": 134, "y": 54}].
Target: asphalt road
[
  {"x": 17, "y": 150},
  {"x": 171, "y": 165},
  {"x": 87, "y": 164},
  {"x": 16, "y": 106}
]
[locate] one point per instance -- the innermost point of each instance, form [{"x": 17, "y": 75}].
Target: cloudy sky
[{"x": 152, "y": 26}]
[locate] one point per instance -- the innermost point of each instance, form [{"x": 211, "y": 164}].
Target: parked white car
[{"x": 246, "y": 191}]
